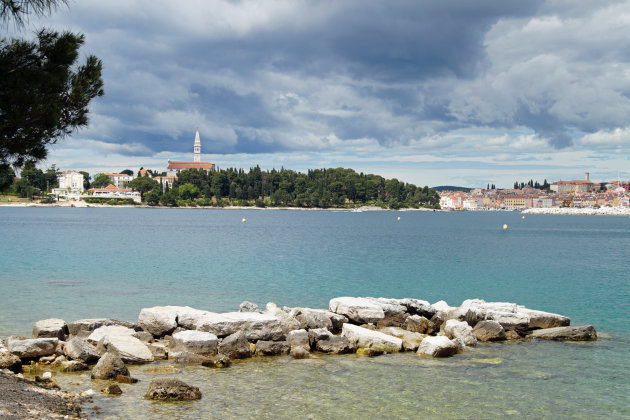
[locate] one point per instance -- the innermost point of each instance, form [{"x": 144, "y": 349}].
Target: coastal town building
[
  {"x": 119, "y": 180},
  {"x": 111, "y": 191},
  {"x": 578, "y": 194},
  {"x": 175, "y": 167},
  {"x": 70, "y": 184},
  {"x": 585, "y": 185}
]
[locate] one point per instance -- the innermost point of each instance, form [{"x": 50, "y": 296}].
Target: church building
[{"x": 175, "y": 166}]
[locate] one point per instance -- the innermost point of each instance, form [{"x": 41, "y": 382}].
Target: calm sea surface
[{"x": 87, "y": 263}]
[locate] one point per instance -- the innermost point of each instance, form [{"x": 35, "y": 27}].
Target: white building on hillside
[
  {"x": 119, "y": 180},
  {"x": 70, "y": 184}
]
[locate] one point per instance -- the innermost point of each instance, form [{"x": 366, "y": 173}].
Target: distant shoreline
[
  {"x": 603, "y": 211},
  {"x": 81, "y": 204}
]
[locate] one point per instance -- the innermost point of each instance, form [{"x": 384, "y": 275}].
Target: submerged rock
[
  {"x": 112, "y": 389},
  {"x": 369, "y": 352},
  {"x": 576, "y": 333},
  {"x": 217, "y": 361},
  {"x": 300, "y": 353},
  {"x": 172, "y": 389}
]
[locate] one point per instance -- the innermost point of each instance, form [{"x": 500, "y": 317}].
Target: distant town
[{"x": 581, "y": 193}]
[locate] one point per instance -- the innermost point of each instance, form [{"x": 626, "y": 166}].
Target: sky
[{"x": 449, "y": 92}]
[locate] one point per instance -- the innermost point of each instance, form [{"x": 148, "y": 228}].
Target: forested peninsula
[{"x": 317, "y": 188}]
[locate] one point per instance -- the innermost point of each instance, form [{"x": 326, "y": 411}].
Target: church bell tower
[{"x": 197, "y": 148}]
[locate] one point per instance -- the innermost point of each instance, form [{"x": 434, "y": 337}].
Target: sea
[{"x": 75, "y": 263}]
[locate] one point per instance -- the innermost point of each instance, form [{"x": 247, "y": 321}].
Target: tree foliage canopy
[
  {"x": 44, "y": 96},
  {"x": 18, "y": 10}
]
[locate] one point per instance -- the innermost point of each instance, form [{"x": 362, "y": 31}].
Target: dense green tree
[
  {"x": 143, "y": 184},
  {"x": 33, "y": 176},
  {"x": 188, "y": 191},
  {"x": 86, "y": 179},
  {"x": 101, "y": 181},
  {"x": 44, "y": 95},
  {"x": 51, "y": 177},
  {"x": 127, "y": 172},
  {"x": 7, "y": 175}
]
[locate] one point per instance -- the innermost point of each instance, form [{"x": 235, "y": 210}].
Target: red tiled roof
[{"x": 173, "y": 164}]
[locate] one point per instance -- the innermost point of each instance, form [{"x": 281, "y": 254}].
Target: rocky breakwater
[{"x": 366, "y": 326}]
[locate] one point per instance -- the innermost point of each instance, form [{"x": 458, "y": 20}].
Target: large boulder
[
  {"x": 298, "y": 338},
  {"x": 576, "y": 333},
  {"x": 110, "y": 330},
  {"x": 172, "y": 389},
  {"x": 83, "y": 327},
  {"x": 358, "y": 310},
  {"x": 410, "y": 340},
  {"x": 79, "y": 349},
  {"x": 272, "y": 348},
  {"x": 256, "y": 326},
  {"x": 371, "y": 339},
  {"x": 318, "y": 318},
  {"x": 247, "y": 306},
  {"x": 417, "y": 323},
  {"x": 158, "y": 320},
  {"x": 335, "y": 344},
  {"x": 109, "y": 366},
  {"x": 288, "y": 322},
  {"x": 10, "y": 361},
  {"x": 129, "y": 348},
  {"x": 438, "y": 346},
  {"x": 516, "y": 321},
  {"x": 418, "y": 307},
  {"x": 542, "y": 319},
  {"x": 489, "y": 331},
  {"x": 53, "y": 328},
  {"x": 460, "y": 329},
  {"x": 235, "y": 346},
  {"x": 33, "y": 347},
  {"x": 193, "y": 341}
]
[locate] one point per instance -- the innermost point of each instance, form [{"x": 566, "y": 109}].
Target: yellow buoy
[
  {"x": 523, "y": 217},
  {"x": 504, "y": 227},
  {"x": 398, "y": 217},
  {"x": 243, "y": 220}
]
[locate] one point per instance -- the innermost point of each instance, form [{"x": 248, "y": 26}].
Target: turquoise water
[{"x": 79, "y": 263}]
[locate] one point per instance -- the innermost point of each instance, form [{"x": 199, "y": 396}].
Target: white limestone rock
[
  {"x": 255, "y": 326},
  {"x": 574, "y": 333},
  {"x": 129, "y": 348},
  {"x": 309, "y": 319},
  {"x": 288, "y": 322},
  {"x": 460, "y": 329},
  {"x": 33, "y": 347},
  {"x": 298, "y": 338},
  {"x": 79, "y": 349},
  {"x": 437, "y": 346},
  {"x": 410, "y": 340},
  {"x": 158, "y": 320},
  {"x": 358, "y": 310},
  {"x": 109, "y": 330},
  {"x": 371, "y": 339},
  {"x": 192, "y": 341},
  {"x": 542, "y": 319},
  {"x": 53, "y": 328}
]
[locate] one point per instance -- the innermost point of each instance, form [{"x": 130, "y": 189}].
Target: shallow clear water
[{"x": 80, "y": 263}]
